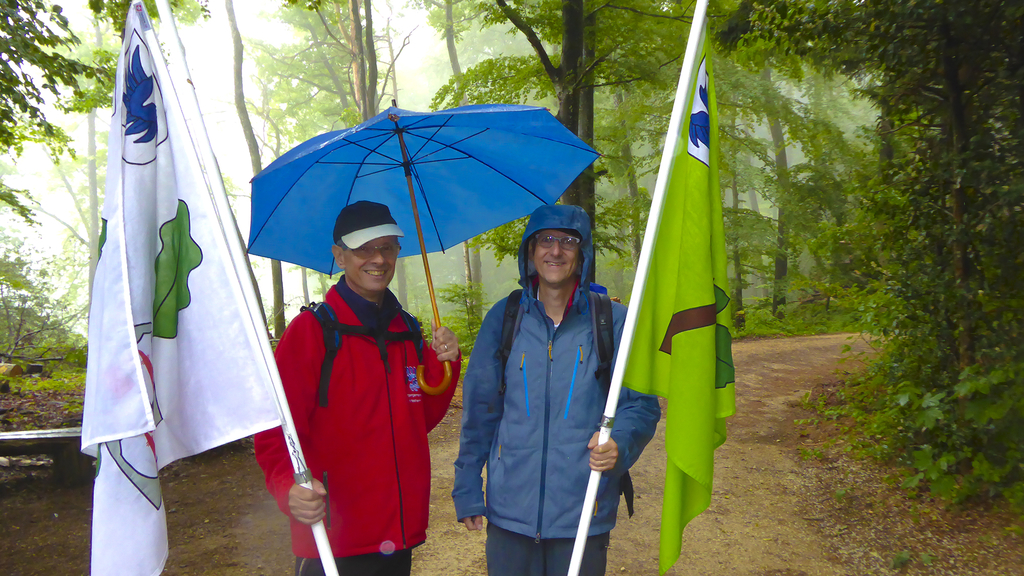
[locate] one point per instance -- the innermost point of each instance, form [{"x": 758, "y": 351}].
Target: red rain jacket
[{"x": 371, "y": 439}]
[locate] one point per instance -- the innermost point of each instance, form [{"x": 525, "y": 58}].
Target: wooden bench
[{"x": 70, "y": 466}]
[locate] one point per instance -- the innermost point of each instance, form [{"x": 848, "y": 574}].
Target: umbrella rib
[
  {"x": 426, "y": 204},
  {"x": 326, "y": 150},
  {"x": 369, "y": 151},
  {"x": 453, "y": 145}
]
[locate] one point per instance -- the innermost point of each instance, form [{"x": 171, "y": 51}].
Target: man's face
[
  {"x": 556, "y": 261},
  {"x": 369, "y": 268}
]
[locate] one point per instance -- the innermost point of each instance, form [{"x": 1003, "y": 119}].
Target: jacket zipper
[
  {"x": 526, "y": 387},
  {"x": 579, "y": 358},
  {"x": 544, "y": 452},
  {"x": 394, "y": 450}
]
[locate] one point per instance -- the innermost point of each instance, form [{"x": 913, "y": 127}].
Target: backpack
[
  {"x": 604, "y": 336},
  {"x": 334, "y": 330}
]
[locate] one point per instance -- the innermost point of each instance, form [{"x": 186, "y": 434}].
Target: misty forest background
[{"x": 872, "y": 170}]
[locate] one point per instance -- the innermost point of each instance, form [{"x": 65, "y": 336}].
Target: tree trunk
[
  {"x": 453, "y": 54},
  {"x": 737, "y": 261},
  {"x": 885, "y": 150},
  {"x": 94, "y": 233},
  {"x": 449, "y": 40},
  {"x": 755, "y": 205},
  {"x": 403, "y": 290},
  {"x": 752, "y": 198},
  {"x": 94, "y": 203},
  {"x": 478, "y": 272},
  {"x": 565, "y": 78},
  {"x": 339, "y": 86},
  {"x": 636, "y": 228},
  {"x": 305, "y": 286},
  {"x": 254, "y": 158},
  {"x": 358, "y": 59},
  {"x": 471, "y": 304},
  {"x": 961, "y": 142},
  {"x": 779, "y": 287},
  {"x": 324, "y": 286},
  {"x": 370, "y": 55},
  {"x": 567, "y": 81},
  {"x": 588, "y": 194}
]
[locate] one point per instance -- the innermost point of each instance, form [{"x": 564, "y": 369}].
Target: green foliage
[
  {"x": 10, "y": 197},
  {"x": 63, "y": 378},
  {"x": 933, "y": 239},
  {"x": 302, "y": 88},
  {"x": 466, "y": 319},
  {"x": 816, "y": 315},
  {"x": 185, "y": 11},
  {"x": 504, "y": 240},
  {"x": 33, "y": 323},
  {"x": 900, "y": 560},
  {"x": 35, "y": 69},
  {"x": 507, "y": 79}
]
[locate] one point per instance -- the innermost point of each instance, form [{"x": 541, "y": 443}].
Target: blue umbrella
[
  {"x": 472, "y": 169},
  {"x": 451, "y": 175}
]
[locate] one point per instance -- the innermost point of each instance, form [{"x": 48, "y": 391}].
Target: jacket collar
[{"x": 367, "y": 312}]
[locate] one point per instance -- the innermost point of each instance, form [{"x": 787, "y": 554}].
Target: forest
[{"x": 872, "y": 174}]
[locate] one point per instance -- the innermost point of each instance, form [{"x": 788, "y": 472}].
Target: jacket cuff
[
  {"x": 624, "y": 442},
  {"x": 466, "y": 507}
]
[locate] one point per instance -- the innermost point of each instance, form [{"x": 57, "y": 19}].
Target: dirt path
[
  {"x": 766, "y": 516},
  {"x": 757, "y": 520}
]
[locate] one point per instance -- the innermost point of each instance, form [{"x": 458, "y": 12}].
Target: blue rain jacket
[{"x": 533, "y": 438}]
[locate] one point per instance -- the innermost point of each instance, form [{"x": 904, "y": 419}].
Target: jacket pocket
[
  {"x": 526, "y": 385},
  {"x": 572, "y": 383}
]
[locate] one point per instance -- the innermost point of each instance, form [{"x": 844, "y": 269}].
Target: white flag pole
[
  {"x": 201, "y": 138},
  {"x": 642, "y": 270}
]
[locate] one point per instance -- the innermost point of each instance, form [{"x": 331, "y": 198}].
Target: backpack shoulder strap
[
  {"x": 508, "y": 330},
  {"x": 324, "y": 314},
  {"x": 415, "y": 333},
  {"x": 604, "y": 335}
]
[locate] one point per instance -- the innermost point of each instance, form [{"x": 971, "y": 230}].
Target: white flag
[{"x": 175, "y": 364}]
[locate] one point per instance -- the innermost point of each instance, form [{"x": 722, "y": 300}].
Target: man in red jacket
[{"x": 365, "y": 435}]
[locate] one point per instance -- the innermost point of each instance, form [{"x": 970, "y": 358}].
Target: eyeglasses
[
  {"x": 389, "y": 250},
  {"x": 570, "y": 243}
]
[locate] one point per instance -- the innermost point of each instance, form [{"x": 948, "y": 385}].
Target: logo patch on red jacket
[{"x": 415, "y": 394}]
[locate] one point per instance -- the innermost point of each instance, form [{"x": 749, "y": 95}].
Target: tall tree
[
  {"x": 442, "y": 18},
  {"x": 277, "y": 276},
  {"x": 781, "y": 284}
]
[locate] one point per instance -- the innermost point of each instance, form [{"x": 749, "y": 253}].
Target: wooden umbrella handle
[{"x": 440, "y": 388}]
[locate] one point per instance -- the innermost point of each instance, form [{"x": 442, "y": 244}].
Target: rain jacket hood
[{"x": 557, "y": 217}]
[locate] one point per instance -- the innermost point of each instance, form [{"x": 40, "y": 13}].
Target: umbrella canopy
[{"x": 473, "y": 168}]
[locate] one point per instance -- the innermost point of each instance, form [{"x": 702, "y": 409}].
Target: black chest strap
[{"x": 334, "y": 331}]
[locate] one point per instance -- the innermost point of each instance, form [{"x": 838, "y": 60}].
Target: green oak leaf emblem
[{"x": 179, "y": 255}]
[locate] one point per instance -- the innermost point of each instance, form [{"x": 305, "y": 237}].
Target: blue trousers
[{"x": 511, "y": 554}]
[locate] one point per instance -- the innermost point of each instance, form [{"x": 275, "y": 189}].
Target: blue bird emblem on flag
[
  {"x": 700, "y": 122},
  {"x": 138, "y": 89},
  {"x": 698, "y": 142}
]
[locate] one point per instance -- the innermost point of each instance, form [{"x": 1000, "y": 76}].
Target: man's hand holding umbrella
[{"x": 444, "y": 343}]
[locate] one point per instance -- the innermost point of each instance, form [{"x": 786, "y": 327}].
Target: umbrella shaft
[{"x": 419, "y": 228}]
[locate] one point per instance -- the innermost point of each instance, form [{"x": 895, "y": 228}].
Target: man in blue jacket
[{"x": 537, "y": 433}]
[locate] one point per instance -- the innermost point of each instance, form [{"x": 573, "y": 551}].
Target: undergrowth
[{"x": 960, "y": 445}]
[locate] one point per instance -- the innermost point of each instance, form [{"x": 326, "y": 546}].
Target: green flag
[{"x": 681, "y": 347}]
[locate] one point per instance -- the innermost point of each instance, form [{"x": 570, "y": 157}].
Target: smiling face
[
  {"x": 557, "y": 266},
  {"x": 370, "y": 267}
]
